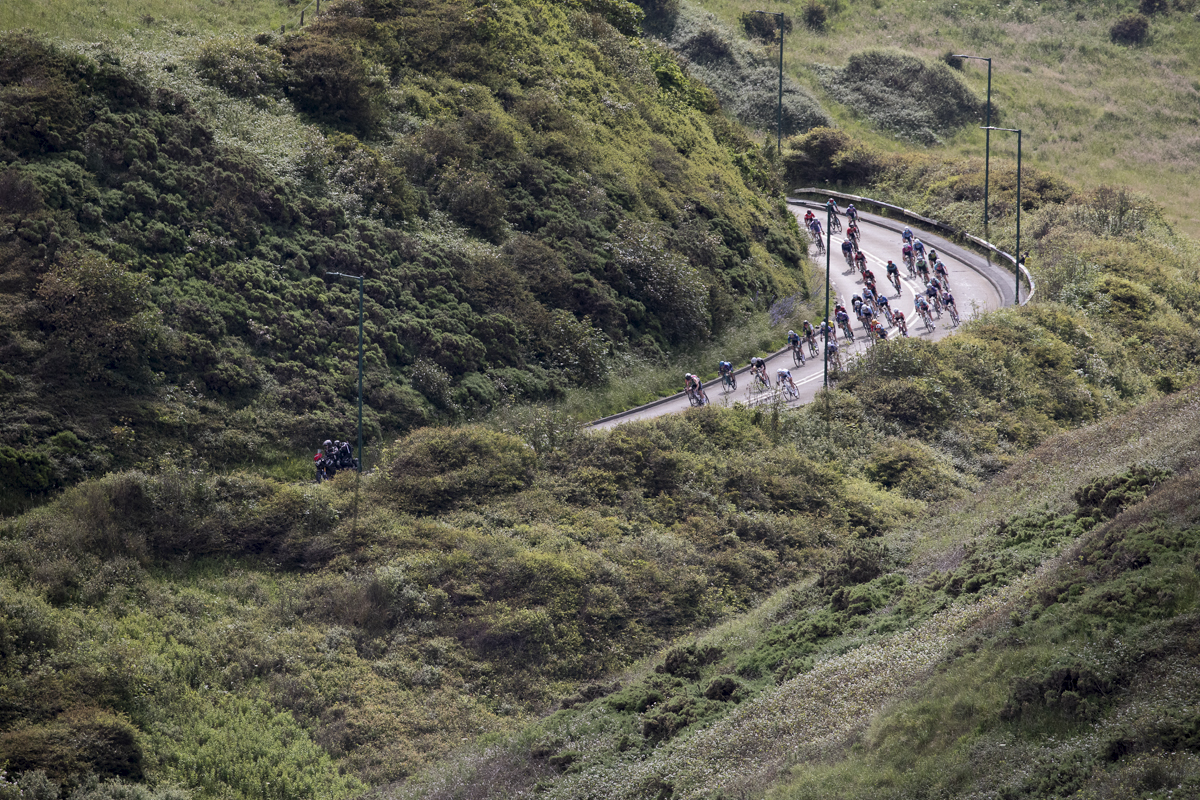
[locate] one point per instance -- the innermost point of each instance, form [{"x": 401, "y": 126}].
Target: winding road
[{"x": 978, "y": 286}]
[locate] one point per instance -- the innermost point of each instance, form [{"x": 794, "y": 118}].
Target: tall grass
[
  {"x": 1096, "y": 111},
  {"x": 85, "y": 20}
]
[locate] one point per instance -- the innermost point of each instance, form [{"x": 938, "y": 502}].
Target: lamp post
[
  {"x": 987, "y": 147},
  {"x": 779, "y": 112},
  {"x": 360, "y": 356},
  {"x": 1017, "y": 267},
  {"x": 828, "y": 242}
]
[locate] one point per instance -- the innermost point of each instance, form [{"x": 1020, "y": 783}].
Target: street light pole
[
  {"x": 779, "y": 111},
  {"x": 987, "y": 147},
  {"x": 1017, "y": 294},
  {"x": 828, "y": 226},
  {"x": 360, "y": 357}
]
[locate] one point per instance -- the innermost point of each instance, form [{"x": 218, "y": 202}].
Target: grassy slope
[
  {"x": 84, "y": 21},
  {"x": 524, "y": 225},
  {"x": 1094, "y": 111}
]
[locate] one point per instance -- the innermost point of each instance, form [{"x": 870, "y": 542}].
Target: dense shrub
[
  {"x": 765, "y": 27},
  {"x": 1130, "y": 29},
  {"x": 242, "y": 68},
  {"x": 815, "y": 16},
  {"x": 1151, "y": 7},
  {"x": 902, "y": 93},
  {"x": 433, "y": 469}
]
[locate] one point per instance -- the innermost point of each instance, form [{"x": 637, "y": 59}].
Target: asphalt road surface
[{"x": 977, "y": 285}]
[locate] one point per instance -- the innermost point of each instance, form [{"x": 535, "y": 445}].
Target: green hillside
[
  {"x": 967, "y": 571},
  {"x": 531, "y": 199},
  {"x": 1095, "y": 104}
]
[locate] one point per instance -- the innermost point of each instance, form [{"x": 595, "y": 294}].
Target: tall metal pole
[
  {"x": 779, "y": 110},
  {"x": 360, "y": 359},
  {"x": 1017, "y": 293},
  {"x": 779, "y": 113},
  {"x": 987, "y": 147},
  {"x": 828, "y": 225}
]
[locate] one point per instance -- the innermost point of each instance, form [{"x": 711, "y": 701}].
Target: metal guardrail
[{"x": 975, "y": 240}]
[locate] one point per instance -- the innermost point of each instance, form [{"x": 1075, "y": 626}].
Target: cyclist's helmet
[
  {"x": 791, "y": 333},
  {"x": 327, "y": 443}
]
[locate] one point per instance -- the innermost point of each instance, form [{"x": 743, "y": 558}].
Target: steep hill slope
[{"x": 526, "y": 190}]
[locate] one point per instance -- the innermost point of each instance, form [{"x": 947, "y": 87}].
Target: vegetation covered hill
[
  {"x": 967, "y": 571},
  {"x": 529, "y": 193},
  {"x": 1095, "y": 104}
]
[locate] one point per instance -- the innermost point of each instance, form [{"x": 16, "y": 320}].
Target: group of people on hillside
[{"x": 332, "y": 456}]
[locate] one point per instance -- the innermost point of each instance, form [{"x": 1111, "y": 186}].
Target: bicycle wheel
[{"x": 797, "y": 356}]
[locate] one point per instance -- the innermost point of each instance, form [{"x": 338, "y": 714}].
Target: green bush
[
  {"x": 815, "y": 16},
  {"x": 332, "y": 82},
  {"x": 242, "y": 67},
  {"x": 1131, "y": 29},
  {"x": 433, "y": 469},
  {"x": 902, "y": 93},
  {"x": 765, "y": 27}
]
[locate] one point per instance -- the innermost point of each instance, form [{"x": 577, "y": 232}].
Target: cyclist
[
  {"x": 940, "y": 270},
  {"x": 868, "y": 294},
  {"x": 899, "y": 322},
  {"x": 758, "y": 371},
  {"x": 867, "y": 315},
  {"x": 852, "y": 233},
  {"x": 827, "y": 331},
  {"x": 949, "y": 305},
  {"x": 793, "y": 340},
  {"x": 931, "y": 294},
  {"x": 725, "y": 370},
  {"x": 815, "y": 227},
  {"x": 784, "y": 378},
  {"x": 868, "y": 276},
  {"x": 906, "y": 254},
  {"x": 893, "y": 275},
  {"x": 906, "y": 235},
  {"x": 923, "y": 311},
  {"x": 878, "y": 330},
  {"x": 860, "y": 260},
  {"x": 848, "y": 252},
  {"x": 809, "y": 217},
  {"x": 923, "y": 270},
  {"x": 852, "y": 213},
  {"x": 831, "y": 352},
  {"x": 694, "y": 388},
  {"x": 885, "y": 308},
  {"x": 933, "y": 256},
  {"x": 831, "y": 205},
  {"x": 918, "y": 248},
  {"x": 810, "y": 336},
  {"x": 843, "y": 321}
]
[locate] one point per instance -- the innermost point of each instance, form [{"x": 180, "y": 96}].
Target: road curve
[{"x": 978, "y": 286}]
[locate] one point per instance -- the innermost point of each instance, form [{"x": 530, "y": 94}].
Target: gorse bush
[
  {"x": 1130, "y": 29},
  {"x": 901, "y": 93}
]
